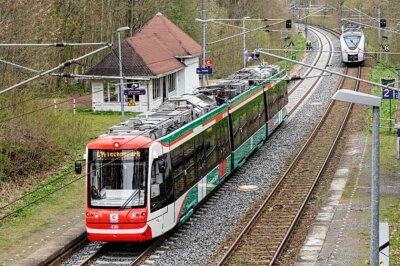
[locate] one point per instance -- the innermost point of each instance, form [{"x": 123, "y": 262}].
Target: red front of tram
[{"x": 116, "y": 189}]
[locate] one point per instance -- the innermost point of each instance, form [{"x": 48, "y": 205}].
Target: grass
[
  {"x": 388, "y": 108},
  {"x": 300, "y": 44},
  {"x": 32, "y": 224}
]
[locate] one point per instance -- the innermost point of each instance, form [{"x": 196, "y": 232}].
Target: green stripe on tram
[
  {"x": 175, "y": 135},
  {"x": 198, "y": 122}
]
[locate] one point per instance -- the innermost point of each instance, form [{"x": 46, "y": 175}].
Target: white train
[{"x": 352, "y": 42}]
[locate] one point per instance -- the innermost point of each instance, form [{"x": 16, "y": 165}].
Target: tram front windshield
[{"x": 117, "y": 178}]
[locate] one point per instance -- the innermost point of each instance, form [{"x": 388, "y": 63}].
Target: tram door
[{"x": 161, "y": 192}]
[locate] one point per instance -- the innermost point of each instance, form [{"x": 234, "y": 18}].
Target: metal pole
[
  {"x": 390, "y": 115},
  {"x": 244, "y": 42},
  {"x": 121, "y": 80},
  {"x": 374, "y": 245},
  {"x": 379, "y": 32},
  {"x": 306, "y": 28},
  {"x": 204, "y": 38}
]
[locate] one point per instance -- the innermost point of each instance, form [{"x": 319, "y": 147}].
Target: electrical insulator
[{"x": 288, "y": 24}]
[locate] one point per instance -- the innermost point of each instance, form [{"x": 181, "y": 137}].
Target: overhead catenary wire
[
  {"x": 370, "y": 26},
  {"x": 61, "y": 44},
  {"x": 62, "y": 65},
  {"x": 19, "y": 66},
  {"x": 262, "y": 51}
]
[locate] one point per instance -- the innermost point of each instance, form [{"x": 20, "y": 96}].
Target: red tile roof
[
  {"x": 175, "y": 39},
  {"x": 152, "y": 51}
]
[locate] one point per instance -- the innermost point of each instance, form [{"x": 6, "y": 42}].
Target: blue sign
[
  {"x": 204, "y": 70},
  {"x": 130, "y": 92},
  {"x": 388, "y": 93}
]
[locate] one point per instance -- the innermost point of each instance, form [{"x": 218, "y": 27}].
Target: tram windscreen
[
  {"x": 117, "y": 177},
  {"x": 352, "y": 41}
]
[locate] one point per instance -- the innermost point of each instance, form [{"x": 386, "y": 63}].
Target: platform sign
[
  {"x": 138, "y": 91},
  {"x": 204, "y": 70},
  {"x": 388, "y": 93}
]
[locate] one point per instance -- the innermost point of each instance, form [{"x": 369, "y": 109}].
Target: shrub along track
[{"x": 266, "y": 233}]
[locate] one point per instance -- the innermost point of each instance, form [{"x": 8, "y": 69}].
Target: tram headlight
[{"x": 137, "y": 216}]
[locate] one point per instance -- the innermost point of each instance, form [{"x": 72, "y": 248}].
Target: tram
[{"x": 146, "y": 175}]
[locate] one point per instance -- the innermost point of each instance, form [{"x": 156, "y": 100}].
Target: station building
[{"x": 158, "y": 61}]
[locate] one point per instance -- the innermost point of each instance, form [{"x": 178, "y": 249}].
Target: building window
[
  {"x": 171, "y": 81},
  {"x": 156, "y": 88},
  {"x": 111, "y": 93}
]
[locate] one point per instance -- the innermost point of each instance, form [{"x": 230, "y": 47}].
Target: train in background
[
  {"x": 146, "y": 175},
  {"x": 352, "y": 44}
]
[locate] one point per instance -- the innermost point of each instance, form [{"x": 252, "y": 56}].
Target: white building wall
[
  {"x": 99, "y": 104},
  {"x": 97, "y": 94},
  {"x": 191, "y": 79},
  {"x": 180, "y": 82},
  {"x": 186, "y": 81}
]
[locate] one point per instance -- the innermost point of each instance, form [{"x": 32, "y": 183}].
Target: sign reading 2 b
[{"x": 386, "y": 92}]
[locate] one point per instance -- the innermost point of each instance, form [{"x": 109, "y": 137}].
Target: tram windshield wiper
[{"x": 129, "y": 199}]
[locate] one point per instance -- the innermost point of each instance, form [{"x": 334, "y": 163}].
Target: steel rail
[
  {"x": 308, "y": 71},
  {"x": 331, "y": 150},
  {"x": 294, "y": 108}
]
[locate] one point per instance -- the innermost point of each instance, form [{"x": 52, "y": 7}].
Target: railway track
[
  {"x": 265, "y": 235},
  {"x": 312, "y": 77},
  {"x": 119, "y": 254},
  {"x": 111, "y": 254}
]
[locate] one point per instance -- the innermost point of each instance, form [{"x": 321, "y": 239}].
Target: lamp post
[
  {"x": 121, "y": 80},
  {"x": 375, "y": 102},
  {"x": 244, "y": 41}
]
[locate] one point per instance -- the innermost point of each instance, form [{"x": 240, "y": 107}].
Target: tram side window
[
  {"x": 247, "y": 120},
  {"x": 256, "y": 114},
  {"x": 178, "y": 170},
  {"x": 284, "y": 93},
  {"x": 200, "y": 151},
  {"x": 240, "y": 124},
  {"x": 223, "y": 140},
  {"x": 189, "y": 162},
  {"x": 277, "y": 98},
  {"x": 160, "y": 185},
  {"x": 273, "y": 103},
  {"x": 210, "y": 143}
]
